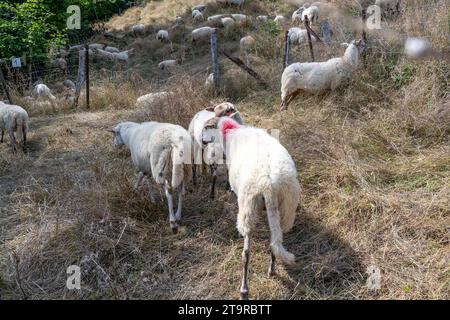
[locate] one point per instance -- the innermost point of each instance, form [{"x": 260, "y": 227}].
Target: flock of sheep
[{"x": 260, "y": 171}]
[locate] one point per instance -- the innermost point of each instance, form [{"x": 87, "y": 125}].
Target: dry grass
[{"x": 373, "y": 160}]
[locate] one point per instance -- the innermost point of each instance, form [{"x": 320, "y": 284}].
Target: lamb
[
  {"x": 41, "y": 91},
  {"x": 202, "y": 138},
  {"x": 202, "y": 33},
  {"x": 14, "y": 119},
  {"x": 162, "y": 35},
  {"x": 161, "y": 150},
  {"x": 280, "y": 20},
  {"x": 138, "y": 29},
  {"x": 298, "y": 36},
  {"x": 315, "y": 77},
  {"x": 389, "y": 7},
  {"x": 312, "y": 12},
  {"x": 168, "y": 64},
  {"x": 262, "y": 174}
]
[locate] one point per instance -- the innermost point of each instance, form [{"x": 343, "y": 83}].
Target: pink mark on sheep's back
[{"x": 227, "y": 125}]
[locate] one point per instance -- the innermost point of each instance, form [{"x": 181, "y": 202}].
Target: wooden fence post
[
  {"x": 87, "y": 76},
  {"x": 286, "y": 50},
  {"x": 311, "y": 50},
  {"x": 81, "y": 75},
  {"x": 364, "y": 34},
  {"x": 215, "y": 61},
  {"x": 4, "y": 85}
]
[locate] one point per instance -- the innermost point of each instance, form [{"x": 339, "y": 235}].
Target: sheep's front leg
[
  {"x": 194, "y": 174},
  {"x": 24, "y": 134},
  {"x": 180, "y": 202},
  {"x": 2, "y": 134},
  {"x": 245, "y": 261},
  {"x": 169, "y": 196}
]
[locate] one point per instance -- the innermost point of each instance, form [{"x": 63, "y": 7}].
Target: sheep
[
  {"x": 69, "y": 84},
  {"x": 216, "y": 20},
  {"x": 262, "y": 19},
  {"x": 417, "y": 48},
  {"x": 389, "y": 7},
  {"x": 228, "y": 22},
  {"x": 112, "y": 49},
  {"x": 122, "y": 56},
  {"x": 179, "y": 21},
  {"x": 61, "y": 64},
  {"x": 149, "y": 99},
  {"x": 202, "y": 33},
  {"x": 197, "y": 16},
  {"x": 41, "y": 91},
  {"x": 239, "y": 3},
  {"x": 161, "y": 150},
  {"x": 279, "y": 20},
  {"x": 240, "y": 19},
  {"x": 297, "y": 16},
  {"x": 200, "y": 7},
  {"x": 94, "y": 46},
  {"x": 14, "y": 119},
  {"x": 138, "y": 29},
  {"x": 312, "y": 12},
  {"x": 315, "y": 77},
  {"x": 245, "y": 45},
  {"x": 262, "y": 174},
  {"x": 168, "y": 64},
  {"x": 198, "y": 128},
  {"x": 298, "y": 36},
  {"x": 162, "y": 35}
]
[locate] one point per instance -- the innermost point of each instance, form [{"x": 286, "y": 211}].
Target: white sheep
[
  {"x": 389, "y": 7},
  {"x": 262, "y": 174},
  {"x": 168, "y": 64},
  {"x": 203, "y": 33},
  {"x": 312, "y": 12},
  {"x": 61, "y": 64},
  {"x": 417, "y": 48},
  {"x": 205, "y": 151},
  {"x": 297, "y": 16},
  {"x": 138, "y": 29},
  {"x": 279, "y": 20},
  {"x": 199, "y": 7},
  {"x": 262, "y": 19},
  {"x": 298, "y": 36},
  {"x": 122, "y": 56},
  {"x": 216, "y": 20},
  {"x": 240, "y": 19},
  {"x": 150, "y": 99},
  {"x": 41, "y": 91},
  {"x": 162, "y": 35},
  {"x": 228, "y": 22},
  {"x": 112, "y": 49},
  {"x": 13, "y": 119},
  {"x": 163, "y": 151},
  {"x": 245, "y": 45},
  {"x": 239, "y": 3},
  {"x": 315, "y": 77}
]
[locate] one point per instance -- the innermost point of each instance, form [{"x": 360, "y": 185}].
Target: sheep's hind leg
[
  {"x": 12, "y": 141},
  {"x": 271, "y": 271},
  {"x": 2, "y": 134},
  {"x": 180, "y": 202},
  {"x": 24, "y": 134},
  {"x": 169, "y": 196},
  {"x": 245, "y": 262},
  {"x": 214, "y": 180},
  {"x": 139, "y": 178}
]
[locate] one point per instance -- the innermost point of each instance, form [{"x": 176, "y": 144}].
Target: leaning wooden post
[
  {"x": 4, "y": 85},
  {"x": 286, "y": 50},
  {"x": 311, "y": 50},
  {"x": 81, "y": 75},
  {"x": 87, "y": 75},
  {"x": 364, "y": 34},
  {"x": 214, "y": 57}
]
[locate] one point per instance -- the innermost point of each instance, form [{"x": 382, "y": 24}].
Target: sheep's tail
[
  {"x": 273, "y": 216},
  {"x": 181, "y": 159}
]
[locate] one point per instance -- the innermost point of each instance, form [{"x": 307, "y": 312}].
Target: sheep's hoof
[
  {"x": 244, "y": 295},
  {"x": 175, "y": 230}
]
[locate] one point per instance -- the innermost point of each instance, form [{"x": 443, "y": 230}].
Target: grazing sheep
[
  {"x": 280, "y": 20},
  {"x": 203, "y": 141},
  {"x": 239, "y": 3},
  {"x": 315, "y": 77},
  {"x": 162, "y": 35},
  {"x": 112, "y": 49},
  {"x": 168, "y": 64},
  {"x": 94, "y": 46},
  {"x": 61, "y": 64},
  {"x": 240, "y": 19},
  {"x": 162, "y": 150},
  {"x": 138, "y": 29},
  {"x": 197, "y": 16},
  {"x": 245, "y": 45},
  {"x": 262, "y": 19},
  {"x": 41, "y": 91},
  {"x": 150, "y": 99},
  {"x": 122, "y": 56},
  {"x": 216, "y": 20},
  {"x": 200, "y": 7},
  {"x": 389, "y": 8},
  {"x": 312, "y": 12},
  {"x": 262, "y": 174},
  {"x": 297, "y": 16},
  {"x": 298, "y": 36},
  {"x": 13, "y": 119},
  {"x": 228, "y": 22},
  {"x": 203, "y": 33}
]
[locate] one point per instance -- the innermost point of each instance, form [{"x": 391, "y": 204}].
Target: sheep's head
[
  {"x": 116, "y": 131},
  {"x": 224, "y": 109}
]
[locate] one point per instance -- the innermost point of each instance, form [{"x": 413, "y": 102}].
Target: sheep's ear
[
  {"x": 210, "y": 109},
  {"x": 345, "y": 44}
]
